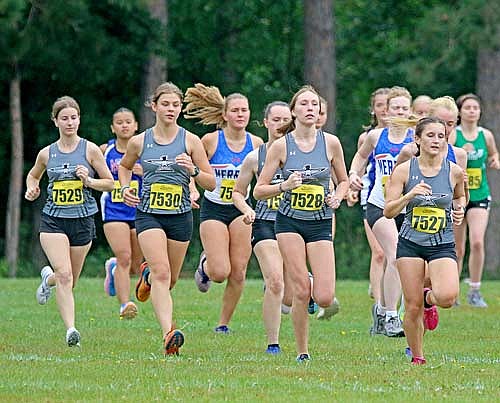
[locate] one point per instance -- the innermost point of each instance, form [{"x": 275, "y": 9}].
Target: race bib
[
  {"x": 67, "y": 193},
  {"x": 475, "y": 176},
  {"x": 116, "y": 194},
  {"x": 165, "y": 196},
  {"x": 273, "y": 203},
  {"x": 430, "y": 220},
  {"x": 226, "y": 190},
  {"x": 384, "y": 182},
  {"x": 308, "y": 197}
]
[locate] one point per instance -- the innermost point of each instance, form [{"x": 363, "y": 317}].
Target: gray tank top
[
  {"x": 307, "y": 202},
  {"x": 267, "y": 209},
  {"x": 165, "y": 185},
  {"x": 427, "y": 220},
  {"x": 66, "y": 195}
]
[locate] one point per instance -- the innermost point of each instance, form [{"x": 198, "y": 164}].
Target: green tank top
[{"x": 477, "y": 158}]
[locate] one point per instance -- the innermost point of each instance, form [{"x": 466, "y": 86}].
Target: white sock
[
  {"x": 70, "y": 330},
  {"x": 390, "y": 314},
  {"x": 475, "y": 286}
]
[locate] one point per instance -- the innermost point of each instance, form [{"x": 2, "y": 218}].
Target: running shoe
[
  {"x": 143, "y": 288},
  {"x": 128, "y": 310},
  {"x": 109, "y": 280},
  {"x": 222, "y": 329},
  {"x": 303, "y": 358},
  {"x": 475, "y": 299},
  {"x": 44, "y": 291},
  {"x": 273, "y": 350},
  {"x": 393, "y": 327},
  {"x": 173, "y": 342},
  {"x": 201, "y": 279},
  {"x": 418, "y": 361},
  {"x": 73, "y": 337},
  {"x": 327, "y": 313},
  {"x": 378, "y": 326},
  {"x": 431, "y": 316},
  {"x": 408, "y": 352}
]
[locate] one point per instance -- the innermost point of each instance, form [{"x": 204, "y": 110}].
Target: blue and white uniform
[
  {"x": 385, "y": 156},
  {"x": 112, "y": 206},
  {"x": 226, "y": 165}
]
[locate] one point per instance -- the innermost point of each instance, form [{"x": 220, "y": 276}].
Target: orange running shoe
[
  {"x": 143, "y": 288},
  {"x": 173, "y": 341}
]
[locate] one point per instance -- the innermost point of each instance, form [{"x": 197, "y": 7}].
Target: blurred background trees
[{"x": 111, "y": 53}]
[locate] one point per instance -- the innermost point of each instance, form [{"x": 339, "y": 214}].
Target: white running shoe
[
  {"x": 73, "y": 337},
  {"x": 44, "y": 290},
  {"x": 327, "y": 313},
  {"x": 394, "y": 327},
  {"x": 128, "y": 310},
  {"x": 202, "y": 281}
]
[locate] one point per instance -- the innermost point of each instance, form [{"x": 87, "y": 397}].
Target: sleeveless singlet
[
  {"x": 385, "y": 156},
  {"x": 226, "y": 166},
  {"x": 165, "y": 185},
  {"x": 427, "y": 220},
  {"x": 451, "y": 154},
  {"x": 477, "y": 159},
  {"x": 66, "y": 195},
  {"x": 267, "y": 209},
  {"x": 112, "y": 206},
  {"x": 307, "y": 202}
]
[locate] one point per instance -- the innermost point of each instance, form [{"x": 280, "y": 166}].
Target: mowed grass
[{"x": 123, "y": 361}]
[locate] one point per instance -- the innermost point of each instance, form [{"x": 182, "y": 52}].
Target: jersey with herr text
[
  {"x": 226, "y": 165},
  {"x": 385, "y": 156}
]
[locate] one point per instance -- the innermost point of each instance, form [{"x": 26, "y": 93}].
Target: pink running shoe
[
  {"x": 418, "y": 361},
  {"x": 431, "y": 316}
]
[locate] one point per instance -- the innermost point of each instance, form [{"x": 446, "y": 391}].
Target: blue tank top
[
  {"x": 267, "y": 209},
  {"x": 226, "y": 165},
  {"x": 165, "y": 185},
  {"x": 307, "y": 202},
  {"x": 112, "y": 206},
  {"x": 451, "y": 154},
  {"x": 66, "y": 195},
  {"x": 385, "y": 156}
]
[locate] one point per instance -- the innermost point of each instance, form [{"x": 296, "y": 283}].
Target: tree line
[{"x": 111, "y": 53}]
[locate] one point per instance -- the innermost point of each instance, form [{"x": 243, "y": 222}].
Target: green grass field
[{"x": 123, "y": 361}]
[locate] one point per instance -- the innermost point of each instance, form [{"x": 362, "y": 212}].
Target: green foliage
[
  {"x": 95, "y": 51},
  {"x": 122, "y": 360}
]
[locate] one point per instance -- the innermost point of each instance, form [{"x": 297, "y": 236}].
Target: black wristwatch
[{"x": 196, "y": 172}]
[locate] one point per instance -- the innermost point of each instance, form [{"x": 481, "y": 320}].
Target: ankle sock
[{"x": 426, "y": 304}]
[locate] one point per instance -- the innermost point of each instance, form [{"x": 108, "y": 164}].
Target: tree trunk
[
  {"x": 488, "y": 88},
  {"x": 155, "y": 69},
  {"x": 16, "y": 176},
  {"x": 319, "y": 52}
]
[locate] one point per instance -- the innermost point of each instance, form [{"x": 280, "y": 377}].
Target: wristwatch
[{"x": 196, "y": 172}]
